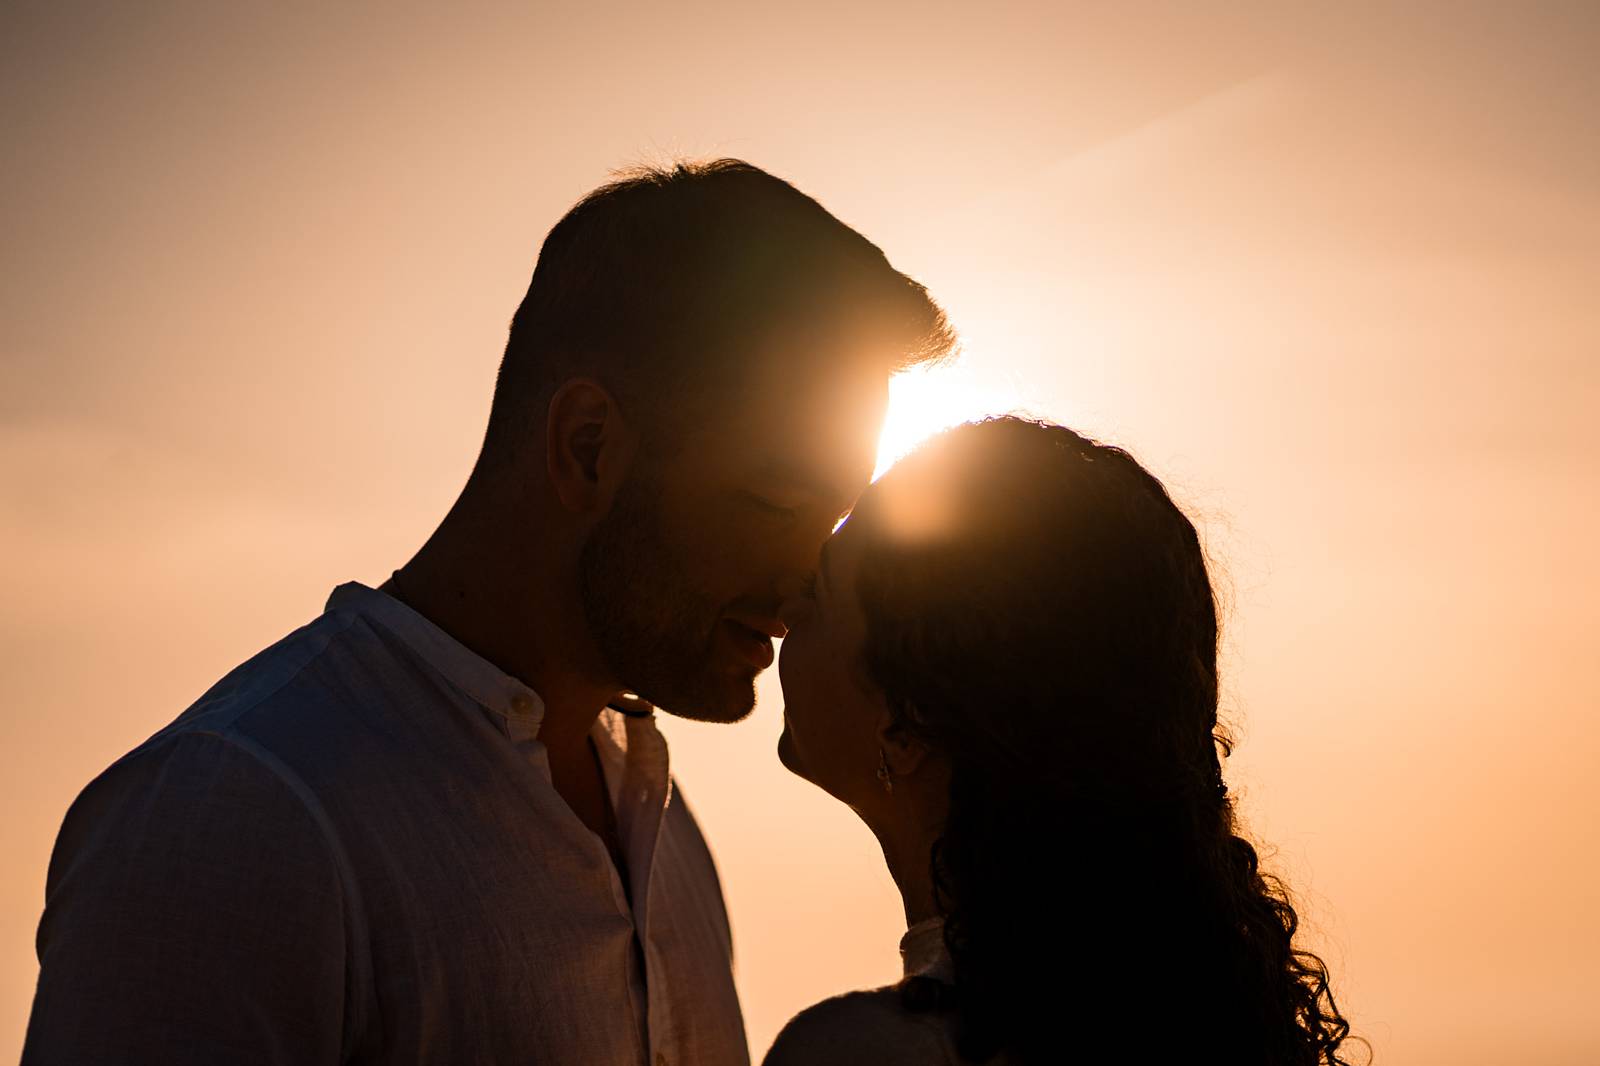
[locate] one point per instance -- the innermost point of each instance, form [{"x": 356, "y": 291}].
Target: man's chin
[{"x": 730, "y": 701}]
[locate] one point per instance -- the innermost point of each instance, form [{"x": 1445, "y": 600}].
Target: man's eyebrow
[{"x": 795, "y": 476}]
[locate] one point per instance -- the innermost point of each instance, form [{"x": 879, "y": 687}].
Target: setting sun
[{"x": 923, "y": 402}]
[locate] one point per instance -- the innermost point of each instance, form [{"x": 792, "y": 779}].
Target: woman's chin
[{"x": 786, "y": 752}]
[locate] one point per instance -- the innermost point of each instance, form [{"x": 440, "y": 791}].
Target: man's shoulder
[
  {"x": 214, "y": 735},
  {"x": 226, "y": 760},
  {"x": 269, "y": 676},
  {"x": 263, "y": 716}
]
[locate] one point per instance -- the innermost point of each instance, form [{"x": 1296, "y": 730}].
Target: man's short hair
[{"x": 666, "y": 282}]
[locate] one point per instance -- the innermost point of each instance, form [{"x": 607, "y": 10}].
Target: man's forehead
[
  {"x": 815, "y": 432},
  {"x": 818, "y": 388},
  {"x": 817, "y": 477}
]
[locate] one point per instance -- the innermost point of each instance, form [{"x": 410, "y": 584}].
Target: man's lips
[{"x": 770, "y": 627}]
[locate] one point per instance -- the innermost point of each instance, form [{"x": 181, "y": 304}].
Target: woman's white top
[{"x": 872, "y": 1028}]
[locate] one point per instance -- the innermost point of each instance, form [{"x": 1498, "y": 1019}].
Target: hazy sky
[{"x": 1334, "y": 276}]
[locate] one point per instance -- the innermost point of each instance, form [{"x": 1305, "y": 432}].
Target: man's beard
[{"x": 655, "y": 630}]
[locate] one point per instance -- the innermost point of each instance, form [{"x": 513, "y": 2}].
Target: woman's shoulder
[{"x": 861, "y": 1028}]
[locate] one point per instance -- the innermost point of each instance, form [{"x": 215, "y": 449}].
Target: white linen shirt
[{"x": 350, "y": 851}]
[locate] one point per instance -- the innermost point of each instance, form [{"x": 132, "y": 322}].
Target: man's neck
[{"x": 517, "y": 622}]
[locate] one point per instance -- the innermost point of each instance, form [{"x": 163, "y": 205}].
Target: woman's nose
[{"x": 793, "y": 600}]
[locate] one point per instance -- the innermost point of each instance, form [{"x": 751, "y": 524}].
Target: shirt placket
[{"x": 643, "y": 795}]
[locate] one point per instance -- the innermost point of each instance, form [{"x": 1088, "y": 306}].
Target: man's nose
[{"x": 793, "y": 586}]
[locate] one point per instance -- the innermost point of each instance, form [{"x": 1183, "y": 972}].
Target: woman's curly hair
[{"x": 1054, "y": 635}]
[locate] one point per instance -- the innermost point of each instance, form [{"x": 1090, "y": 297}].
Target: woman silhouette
[{"x": 1007, "y": 666}]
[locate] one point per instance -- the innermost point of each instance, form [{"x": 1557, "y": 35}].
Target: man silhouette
[{"x": 436, "y": 825}]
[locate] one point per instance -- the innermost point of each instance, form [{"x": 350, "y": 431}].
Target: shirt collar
[
  {"x": 923, "y": 952},
  {"x": 479, "y": 679}
]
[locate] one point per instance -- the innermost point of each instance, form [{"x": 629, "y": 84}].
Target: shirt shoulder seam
[
  {"x": 227, "y": 729},
  {"x": 360, "y": 953},
  {"x": 228, "y": 722}
]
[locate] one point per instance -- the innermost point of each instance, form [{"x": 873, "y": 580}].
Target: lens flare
[{"x": 925, "y": 401}]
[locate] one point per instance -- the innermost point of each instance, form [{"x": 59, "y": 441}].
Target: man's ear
[{"x": 588, "y": 445}]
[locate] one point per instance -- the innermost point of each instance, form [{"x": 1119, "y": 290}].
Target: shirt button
[{"x": 521, "y": 703}]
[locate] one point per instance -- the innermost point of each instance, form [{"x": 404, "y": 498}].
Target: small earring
[{"x": 883, "y": 771}]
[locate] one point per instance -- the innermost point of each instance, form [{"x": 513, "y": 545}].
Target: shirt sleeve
[{"x": 194, "y": 913}]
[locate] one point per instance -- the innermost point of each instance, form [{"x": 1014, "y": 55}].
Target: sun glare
[{"x": 923, "y": 402}]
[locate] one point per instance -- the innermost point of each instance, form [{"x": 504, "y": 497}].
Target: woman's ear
[
  {"x": 904, "y": 751},
  {"x": 588, "y": 446}
]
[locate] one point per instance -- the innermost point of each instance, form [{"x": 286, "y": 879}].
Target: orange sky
[{"x": 1333, "y": 277}]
